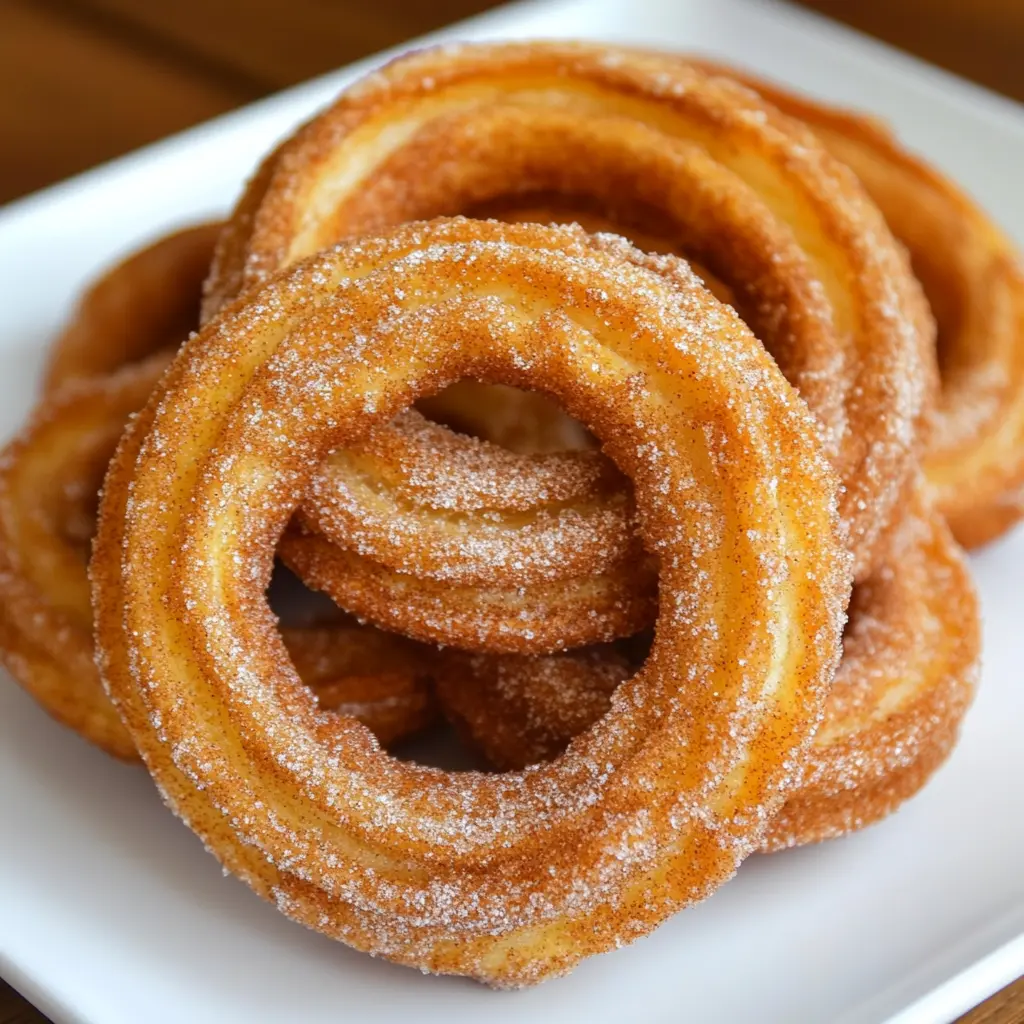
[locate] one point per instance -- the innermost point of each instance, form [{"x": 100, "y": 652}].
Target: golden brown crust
[
  {"x": 49, "y": 482},
  {"x": 747, "y": 190},
  {"x": 146, "y": 303},
  {"x": 49, "y": 478},
  {"x": 488, "y": 549},
  {"x": 455, "y": 541},
  {"x": 503, "y": 618},
  {"x": 508, "y": 878},
  {"x": 382, "y": 680},
  {"x": 520, "y": 711},
  {"x": 645, "y": 228},
  {"x": 972, "y": 277},
  {"x": 493, "y": 535},
  {"x": 444, "y": 507},
  {"x": 910, "y": 663}
]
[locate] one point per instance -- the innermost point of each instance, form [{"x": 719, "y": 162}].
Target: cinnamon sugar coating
[
  {"x": 382, "y": 680},
  {"x": 146, "y": 303},
  {"x": 746, "y": 190},
  {"x": 50, "y": 476},
  {"x": 457, "y": 509},
  {"x": 909, "y": 667},
  {"x": 974, "y": 282},
  {"x": 504, "y": 618},
  {"x": 520, "y": 711},
  {"x": 910, "y": 664},
  {"x": 358, "y": 412},
  {"x": 49, "y": 479},
  {"x": 508, "y": 878}
]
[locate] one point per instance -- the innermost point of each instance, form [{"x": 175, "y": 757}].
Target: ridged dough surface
[{"x": 507, "y": 878}]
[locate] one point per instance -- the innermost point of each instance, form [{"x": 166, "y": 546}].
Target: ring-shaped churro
[
  {"x": 508, "y": 878},
  {"x": 748, "y": 191}
]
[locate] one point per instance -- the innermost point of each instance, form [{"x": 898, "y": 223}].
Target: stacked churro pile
[{"x": 661, "y": 526}]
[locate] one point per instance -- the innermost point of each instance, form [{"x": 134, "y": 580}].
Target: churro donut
[
  {"x": 147, "y": 302},
  {"x": 507, "y": 878},
  {"x": 746, "y": 190},
  {"x": 972, "y": 277},
  {"x": 49, "y": 482},
  {"x": 910, "y": 661}
]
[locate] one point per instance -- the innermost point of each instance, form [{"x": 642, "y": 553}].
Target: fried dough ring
[
  {"x": 147, "y": 302},
  {"x": 507, "y": 878},
  {"x": 49, "y": 481},
  {"x": 910, "y": 663},
  {"x": 747, "y": 190},
  {"x": 972, "y": 277}
]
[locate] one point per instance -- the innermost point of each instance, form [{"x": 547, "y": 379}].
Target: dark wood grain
[
  {"x": 281, "y": 43},
  {"x": 1005, "y": 1007},
  {"x": 14, "y": 1009},
  {"x": 979, "y": 39},
  {"x": 71, "y": 97},
  {"x": 85, "y": 80}
]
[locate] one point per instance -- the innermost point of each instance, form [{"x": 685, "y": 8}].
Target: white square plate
[{"x": 111, "y": 912}]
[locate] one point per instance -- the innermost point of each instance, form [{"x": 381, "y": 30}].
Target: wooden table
[{"x": 85, "y": 80}]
